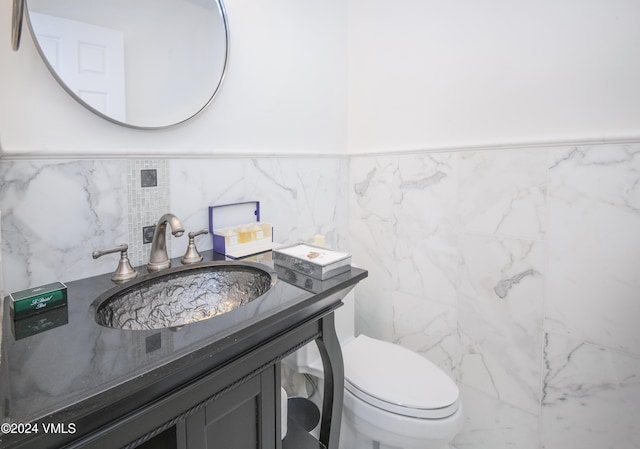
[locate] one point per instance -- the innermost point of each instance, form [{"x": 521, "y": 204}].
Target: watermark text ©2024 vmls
[{"x": 38, "y": 427}]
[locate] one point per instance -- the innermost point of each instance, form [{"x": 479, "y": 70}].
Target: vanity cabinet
[
  {"x": 242, "y": 418},
  {"x": 212, "y": 385},
  {"x": 236, "y": 404}
]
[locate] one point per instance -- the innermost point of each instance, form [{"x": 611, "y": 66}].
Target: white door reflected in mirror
[
  {"x": 89, "y": 58},
  {"x": 144, "y": 63}
]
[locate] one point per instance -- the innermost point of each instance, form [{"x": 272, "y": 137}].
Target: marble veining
[
  {"x": 504, "y": 285},
  {"x": 429, "y": 328},
  {"x": 493, "y": 424},
  {"x": 361, "y": 187},
  {"x": 423, "y": 182},
  {"x": 594, "y": 244},
  {"x": 403, "y": 228},
  {"x": 275, "y": 179},
  {"x": 299, "y": 197},
  {"x": 500, "y": 329},
  {"x": 54, "y": 214},
  {"x": 591, "y": 396},
  {"x": 504, "y": 193},
  {"x": 519, "y": 251}
]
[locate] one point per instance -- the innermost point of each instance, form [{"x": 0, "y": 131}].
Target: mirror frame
[
  {"x": 16, "y": 23},
  {"x": 16, "y": 32}
]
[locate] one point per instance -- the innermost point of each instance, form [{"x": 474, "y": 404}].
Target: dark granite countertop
[{"x": 77, "y": 368}]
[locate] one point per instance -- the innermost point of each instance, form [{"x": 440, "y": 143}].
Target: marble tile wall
[
  {"x": 516, "y": 271},
  {"x": 301, "y": 197},
  {"x": 403, "y": 229},
  {"x": 513, "y": 270},
  {"x": 55, "y": 212}
]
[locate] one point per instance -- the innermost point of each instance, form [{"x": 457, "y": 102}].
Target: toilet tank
[{"x": 307, "y": 358}]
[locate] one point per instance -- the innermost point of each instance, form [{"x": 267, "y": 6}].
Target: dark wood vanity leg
[{"x": 333, "y": 367}]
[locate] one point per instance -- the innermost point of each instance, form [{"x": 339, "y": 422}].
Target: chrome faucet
[{"x": 159, "y": 259}]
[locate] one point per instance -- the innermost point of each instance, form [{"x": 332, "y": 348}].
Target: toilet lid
[{"x": 398, "y": 380}]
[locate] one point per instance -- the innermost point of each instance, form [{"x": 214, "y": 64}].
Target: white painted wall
[
  {"x": 422, "y": 74},
  {"x": 285, "y": 92},
  {"x": 427, "y": 74}
]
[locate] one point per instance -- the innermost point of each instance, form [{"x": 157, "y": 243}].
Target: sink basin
[{"x": 183, "y": 295}]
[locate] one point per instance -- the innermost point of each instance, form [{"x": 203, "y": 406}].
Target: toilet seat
[{"x": 398, "y": 380}]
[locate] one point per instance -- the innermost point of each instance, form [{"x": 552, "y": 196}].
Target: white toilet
[{"x": 394, "y": 398}]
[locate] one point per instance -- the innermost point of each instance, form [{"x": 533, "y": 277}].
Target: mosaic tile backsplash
[{"x": 148, "y": 200}]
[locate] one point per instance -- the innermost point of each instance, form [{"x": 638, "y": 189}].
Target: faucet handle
[
  {"x": 125, "y": 271},
  {"x": 192, "y": 255}
]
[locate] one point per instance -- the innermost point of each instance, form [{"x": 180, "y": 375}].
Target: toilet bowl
[{"x": 394, "y": 398}]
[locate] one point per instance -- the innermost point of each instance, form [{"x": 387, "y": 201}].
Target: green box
[{"x": 39, "y": 299}]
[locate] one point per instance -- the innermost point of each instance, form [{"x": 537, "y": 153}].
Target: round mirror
[{"x": 140, "y": 63}]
